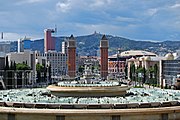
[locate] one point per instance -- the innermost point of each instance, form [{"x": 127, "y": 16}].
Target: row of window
[{"x": 115, "y": 70}]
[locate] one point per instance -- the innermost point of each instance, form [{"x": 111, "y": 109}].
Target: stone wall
[{"x": 164, "y": 113}]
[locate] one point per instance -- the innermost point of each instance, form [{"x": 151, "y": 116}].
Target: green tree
[
  {"x": 93, "y": 68},
  {"x": 40, "y": 69},
  {"x": 155, "y": 74},
  {"x": 150, "y": 74},
  {"x": 22, "y": 66},
  {"x": 22, "y": 69},
  {"x": 81, "y": 69},
  {"x": 141, "y": 71},
  {"x": 144, "y": 75},
  {"x": 133, "y": 72}
]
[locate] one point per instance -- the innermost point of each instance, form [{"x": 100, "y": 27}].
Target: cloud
[
  {"x": 99, "y": 3},
  {"x": 63, "y": 6},
  {"x": 145, "y": 19},
  {"x": 79, "y": 5},
  {"x": 21, "y": 2},
  {"x": 11, "y": 36},
  {"x": 152, "y": 12},
  {"x": 84, "y": 28},
  {"x": 126, "y": 19},
  {"x": 34, "y": 1},
  {"x": 177, "y": 5}
]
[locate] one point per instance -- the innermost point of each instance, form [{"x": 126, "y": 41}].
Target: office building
[
  {"x": 27, "y": 57},
  {"x": 58, "y": 62},
  {"x": 49, "y": 41},
  {"x": 24, "y": 44},
  {"x": 169, "y": 69},
  {"x": 5, "y": 47},
  {"x": 64, "y": 46}
]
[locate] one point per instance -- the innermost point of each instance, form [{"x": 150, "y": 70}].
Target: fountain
[
  {"x": 89, "y": 85},
  {"x": 88, "y": 75},
  {"x": 41, "y": 104}
]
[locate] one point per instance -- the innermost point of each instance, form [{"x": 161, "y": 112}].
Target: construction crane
[{"x": 54, "y": 30}]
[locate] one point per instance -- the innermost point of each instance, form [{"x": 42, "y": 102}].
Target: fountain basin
[{"x": 94, "y": 91}]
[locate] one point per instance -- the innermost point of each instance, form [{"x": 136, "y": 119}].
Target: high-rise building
[
  {"x": 71, "y": 56},
  {"x": 49, "y": 41},
  {"x": 27, "y": 44},
  {"x": 2, "y": 60},
  {"x": 104, "y": 57},
  {"x": 5, "y": 47},
  {"x": 24, "y": 44},
  {"x": 58, "y": 62},
  {"x": 64, "y": 46},
  {"x": 20, "y": 45}
]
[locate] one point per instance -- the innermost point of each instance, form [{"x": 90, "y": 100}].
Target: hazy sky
[{"x": 135, "y": 19}]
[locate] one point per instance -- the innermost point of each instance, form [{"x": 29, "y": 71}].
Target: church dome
[{"x": 169, "y": 56}]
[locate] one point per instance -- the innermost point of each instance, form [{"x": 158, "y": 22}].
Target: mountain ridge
[{"x": 89, "y": 44}]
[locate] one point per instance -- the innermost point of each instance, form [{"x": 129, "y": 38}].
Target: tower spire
[
  {"x": 104, "y": 57},
  {"x": 71, "y": 57}
]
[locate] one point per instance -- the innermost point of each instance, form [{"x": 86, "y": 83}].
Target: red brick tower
[
  {"x": 104, "y": 57},
  {"x": 49, "y": 41},
  {"x": 71, "y": 56}
]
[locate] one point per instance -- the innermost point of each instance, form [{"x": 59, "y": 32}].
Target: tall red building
[
  {"x": 104, "y": 57},
  {"x": 71, "y": 56},
  {"x": 49, "y": 41}
]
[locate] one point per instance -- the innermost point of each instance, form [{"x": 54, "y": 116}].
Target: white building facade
[
  {"x": 58, "y": 62},
  {"x": 27, "y": 57}
]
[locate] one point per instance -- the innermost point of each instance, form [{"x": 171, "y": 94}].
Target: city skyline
[{"x": 138, "y": 20}]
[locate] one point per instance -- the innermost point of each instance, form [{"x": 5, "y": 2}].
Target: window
[
  {"x": 11, "y": 116},
  {"x": 115, "y": 117},
  {"x": 165, "y": 116},
  {"x": 60, "y": 117}
]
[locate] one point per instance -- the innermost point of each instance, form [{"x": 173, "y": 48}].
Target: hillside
[{"x": 89, "y": 45}]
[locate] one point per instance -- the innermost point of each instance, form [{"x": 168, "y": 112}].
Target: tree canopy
[{"x": 22, "y": 66}]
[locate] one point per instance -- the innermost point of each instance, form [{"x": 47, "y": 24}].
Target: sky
[{"x": 155, "y": 20}]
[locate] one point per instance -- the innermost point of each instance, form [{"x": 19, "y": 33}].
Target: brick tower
[
  {"x": 71, "y": 56},
  {"x": 104, "y": 57}
]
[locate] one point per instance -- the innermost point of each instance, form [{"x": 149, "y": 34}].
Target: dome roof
[
  {"x": 169, "y": 56},
  {"x": 142, "y": 58},
  {"x": 147, "y": 58},
  {"x": 137, "y": 53}
]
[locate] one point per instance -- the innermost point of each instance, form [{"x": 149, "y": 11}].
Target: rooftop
[{"x": 137, "y": 53}]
